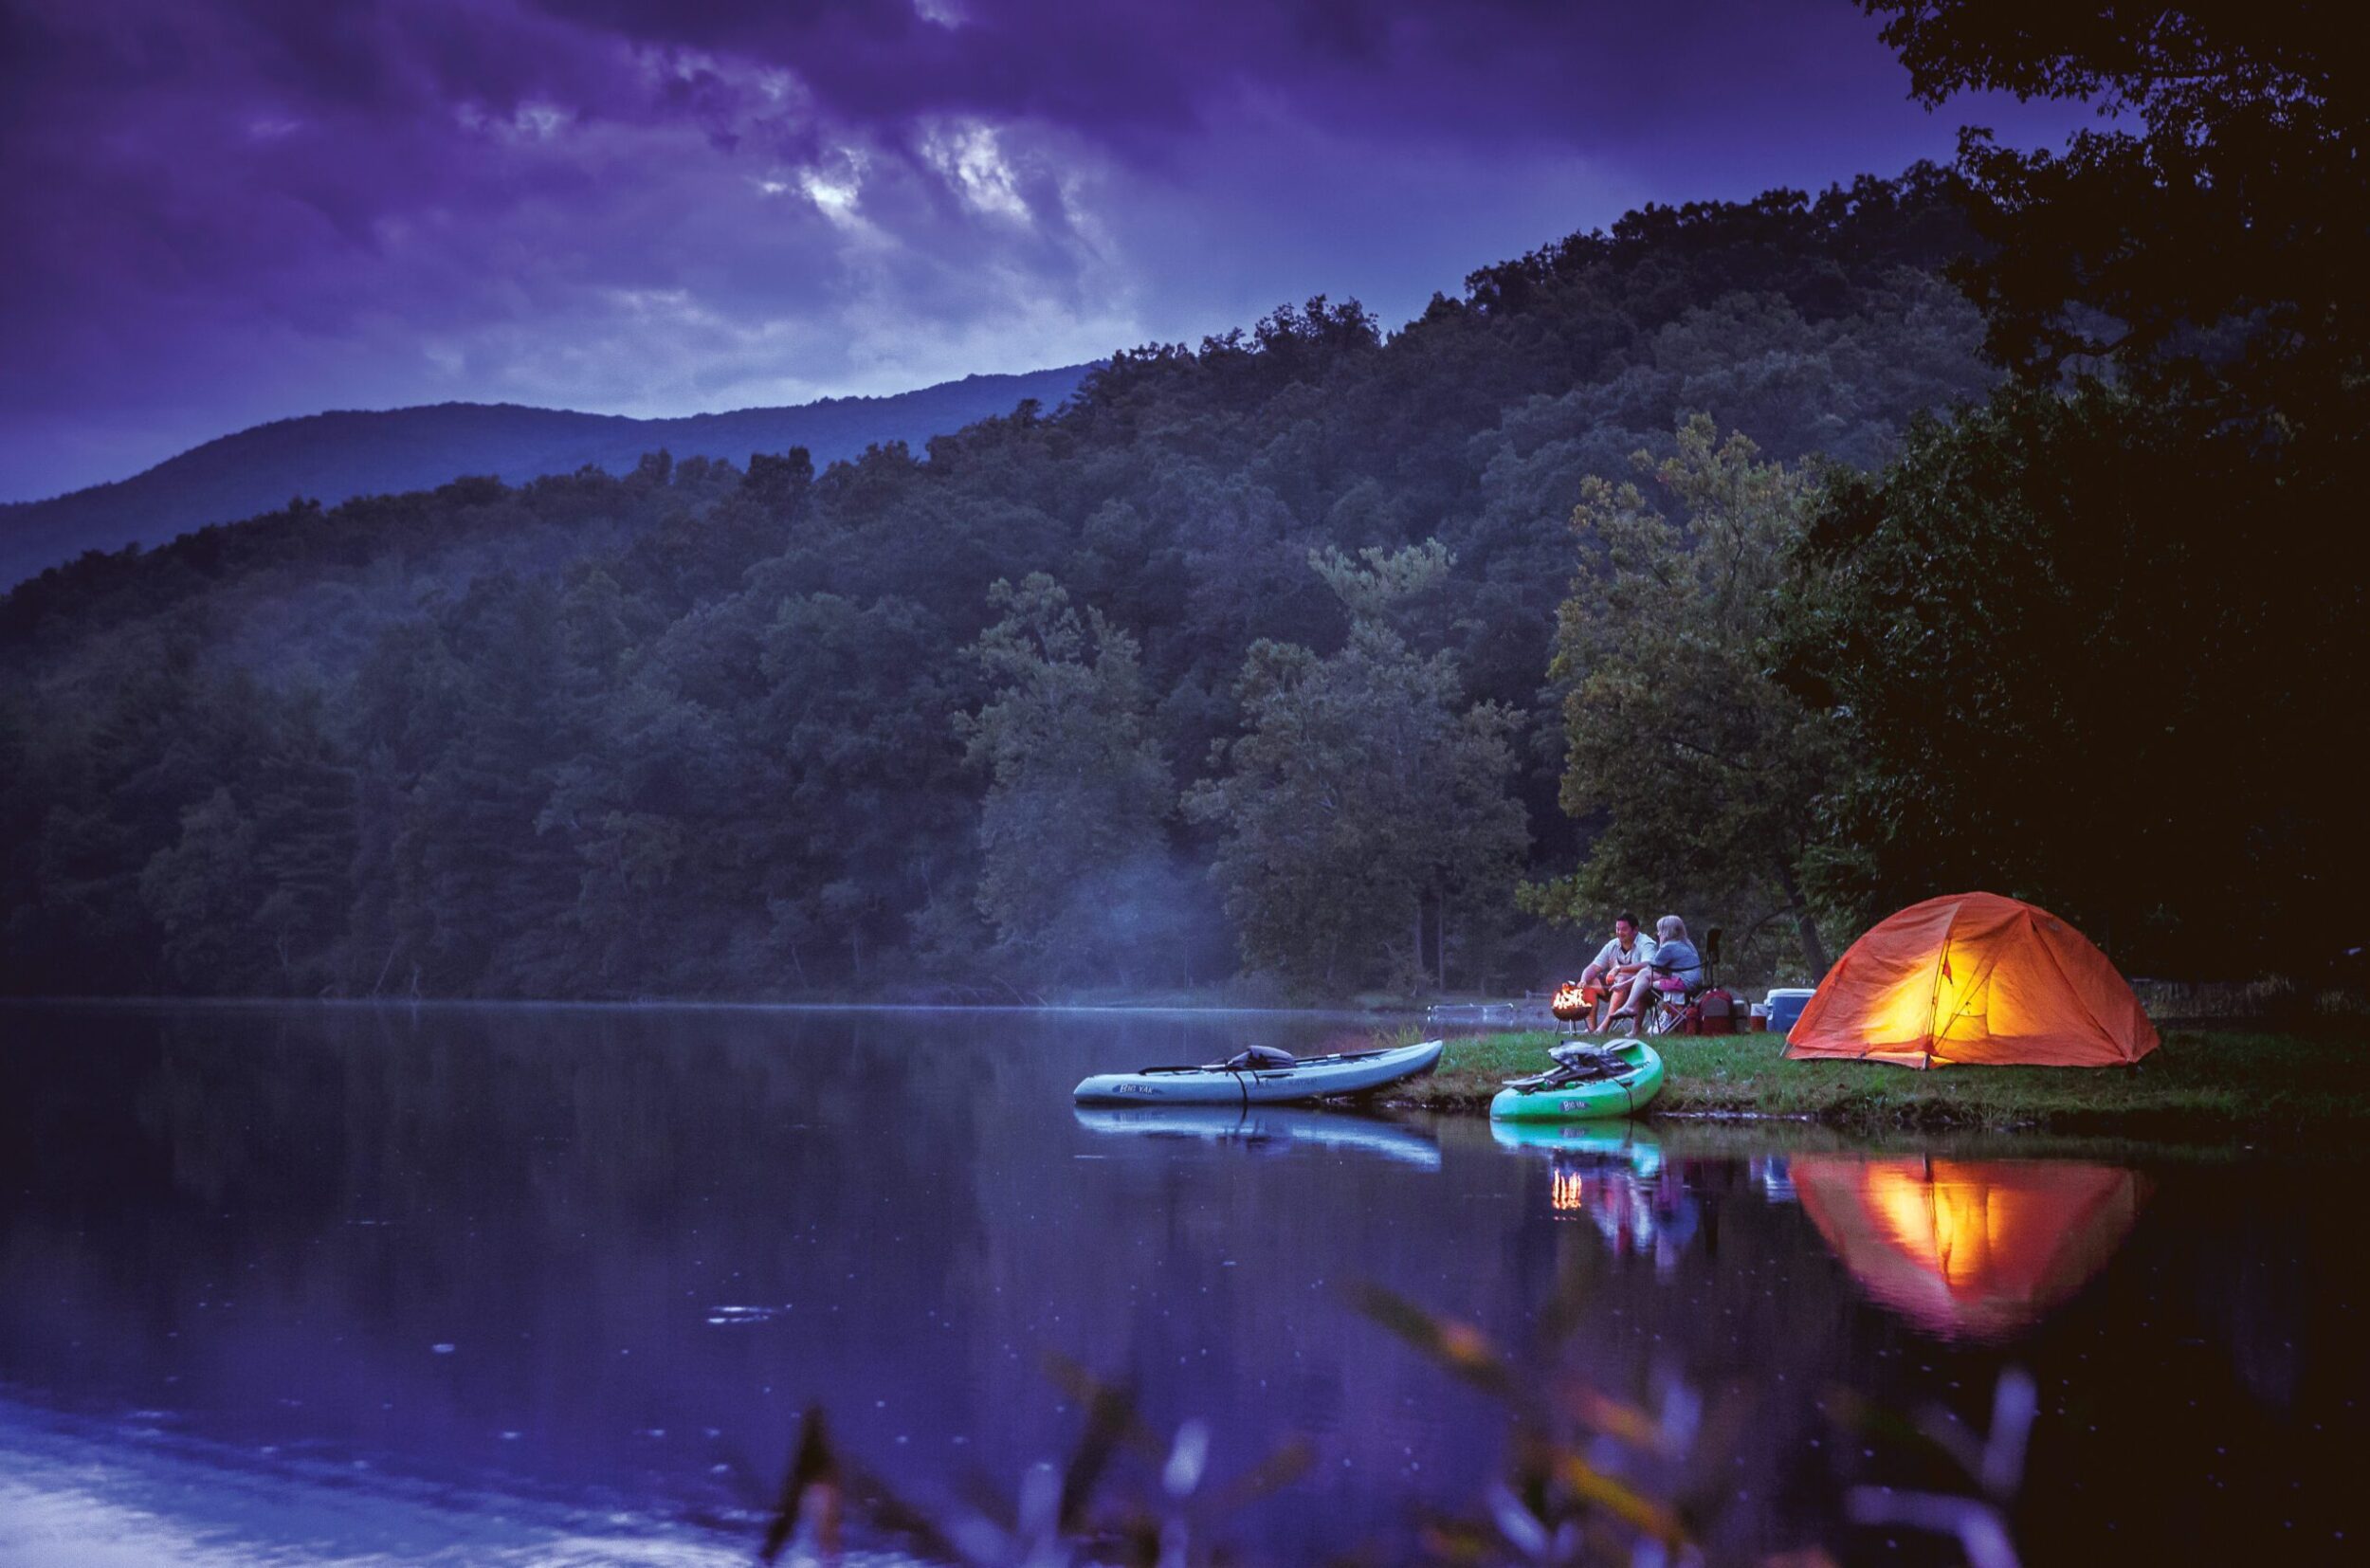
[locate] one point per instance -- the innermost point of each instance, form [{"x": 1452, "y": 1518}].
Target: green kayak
[{"x": 1619, "y": 1078}]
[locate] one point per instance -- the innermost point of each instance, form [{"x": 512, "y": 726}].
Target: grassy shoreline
[{"x": 2199, "y": 1084}]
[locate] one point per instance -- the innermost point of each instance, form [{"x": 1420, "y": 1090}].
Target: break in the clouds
[{"x": 220, "y": 213}]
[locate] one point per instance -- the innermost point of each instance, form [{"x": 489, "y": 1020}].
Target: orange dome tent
[{"x": 1974, "y": 977}]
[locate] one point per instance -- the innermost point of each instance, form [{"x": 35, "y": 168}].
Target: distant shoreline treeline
[{"x": 1290, "y": 659}]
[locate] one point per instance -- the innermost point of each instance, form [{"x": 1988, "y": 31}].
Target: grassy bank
[{"x": 2198, "y": 1084}]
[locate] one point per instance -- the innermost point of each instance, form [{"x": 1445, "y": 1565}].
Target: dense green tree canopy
[
  {"x": 2221, "y": 209},
  {"x": 1074, "y": 871},
  {"x": 1364, "y": 795},
  {"x": 693, "y": 730},
  {"x": 2085, "y": 641},
  {"x": 2081, "y": 655},
  {"x": 1706, "y": 773}
]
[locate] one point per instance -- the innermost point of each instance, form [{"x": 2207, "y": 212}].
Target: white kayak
[{"x": 1261, "y": 1082}]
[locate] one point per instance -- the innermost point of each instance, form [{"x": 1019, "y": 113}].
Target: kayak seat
[{"x": 1259, "y": 1059}]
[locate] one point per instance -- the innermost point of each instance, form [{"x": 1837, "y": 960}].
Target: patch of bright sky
[
  {"x": 968, "y": 156},
  {"x": 835, "y": 189}
]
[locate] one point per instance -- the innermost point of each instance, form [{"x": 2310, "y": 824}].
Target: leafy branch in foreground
[
  {"x": 1590, "y": 1477},
  {"x": 1995, "y": 1461},
  {"x": 1070, "y": 1512}
]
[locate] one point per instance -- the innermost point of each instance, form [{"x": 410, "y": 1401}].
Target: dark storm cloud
[
  {"x": 220, "y": 213},
  {"x": 1595, "y": 74}
]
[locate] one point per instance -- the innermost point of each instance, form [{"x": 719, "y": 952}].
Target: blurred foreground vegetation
[{"x": 1589, "y": 1476}]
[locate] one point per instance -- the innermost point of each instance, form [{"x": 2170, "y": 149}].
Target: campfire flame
[{"x": 1572, "y": 1001}]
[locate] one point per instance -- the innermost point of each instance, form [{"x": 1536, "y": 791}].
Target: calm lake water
[{"x": 517, "y": 1284}]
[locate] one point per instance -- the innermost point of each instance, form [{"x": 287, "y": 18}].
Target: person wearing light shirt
[{"x": 1618, "y": 961}]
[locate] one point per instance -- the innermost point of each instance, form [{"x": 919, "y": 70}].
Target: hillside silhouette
[{"x": 335, "y": 456}]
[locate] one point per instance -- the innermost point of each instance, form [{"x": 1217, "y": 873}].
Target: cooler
[{"x": 1785, "y": 1005}]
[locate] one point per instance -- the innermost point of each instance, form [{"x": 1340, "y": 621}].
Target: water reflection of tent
[
  {"x": 1978, "y": 978},
  {"x": 1969, "y": 1249}
]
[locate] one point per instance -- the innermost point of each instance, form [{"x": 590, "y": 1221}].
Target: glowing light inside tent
[
  {"x": 1953, "y": 1001},
  {"x": 1906, "y": 1015}
]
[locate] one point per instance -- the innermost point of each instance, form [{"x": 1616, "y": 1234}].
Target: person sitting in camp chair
[
  {"x": 1617, "y": 965},
  {"x": 1675, "y": 969}
]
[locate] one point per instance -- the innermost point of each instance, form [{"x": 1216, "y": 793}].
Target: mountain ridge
[{"x": 337, "y": 454}]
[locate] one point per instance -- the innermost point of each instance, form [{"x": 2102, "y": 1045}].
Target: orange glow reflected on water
[
  {"x": 1952, "y": 1226},
  {"x": 1978, "y": 1249}
]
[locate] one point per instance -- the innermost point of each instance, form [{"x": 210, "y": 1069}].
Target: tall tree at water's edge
[
  {"x": 2084, "y": 641},
  {"x": 1364, "y": 793},
  {"x": 1703, "y": 775},
  {"x": 1075, "y": 873}
]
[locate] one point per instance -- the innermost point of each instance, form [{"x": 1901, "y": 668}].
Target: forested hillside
[
  {"x": 1237, "y": 664},
  {"x": 334, "y": 457}
]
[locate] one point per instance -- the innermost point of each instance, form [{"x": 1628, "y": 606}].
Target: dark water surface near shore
[{"x": 458, "y": 1269}]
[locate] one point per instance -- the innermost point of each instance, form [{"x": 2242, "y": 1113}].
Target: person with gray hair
[{"x": 1675, "y": 968}]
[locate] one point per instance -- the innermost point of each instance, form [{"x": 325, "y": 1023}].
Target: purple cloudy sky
[{"x": 222, "y": 211}]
